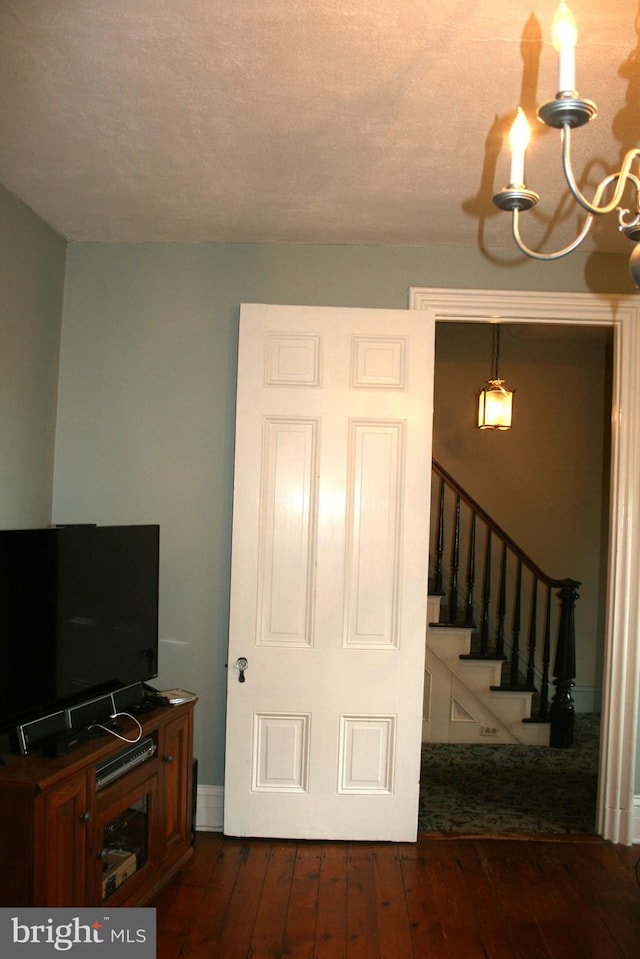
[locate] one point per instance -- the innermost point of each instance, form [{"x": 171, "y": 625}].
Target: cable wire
[{"x": 114, "y": 733}]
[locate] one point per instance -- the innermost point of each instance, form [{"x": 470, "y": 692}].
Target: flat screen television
[{"x": 78, "y": 615}]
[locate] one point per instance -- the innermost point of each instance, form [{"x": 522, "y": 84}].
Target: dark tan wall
[{"x": 545, "y": 480}]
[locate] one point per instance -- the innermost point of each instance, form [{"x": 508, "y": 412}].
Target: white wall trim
[
  {"x": 209, "y": 806},
  {"x": 621, "y": 677}
]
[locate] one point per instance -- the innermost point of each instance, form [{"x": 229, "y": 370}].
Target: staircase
[
  {"x": 461, "y": 701},
  {"x": 480, "y": 687}
]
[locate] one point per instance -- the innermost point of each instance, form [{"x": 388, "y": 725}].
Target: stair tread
[
  {"x": 461, "y": 642},
  {"x": 441, "y": 625},
  {"x": 489, "y": 657}
]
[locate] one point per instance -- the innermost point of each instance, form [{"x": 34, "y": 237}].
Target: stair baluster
[
  {"x": 438, "y": 579},
  {"x": 515, "y": 631},
  {"x": 492, "y": 640},
  {"x": 486, "y": 599},
  {"x": 455, "y": 566},
  {"x": 502, "y": 603},
  {"x": 533, "y": 621},
  {"x": 471, "y": 573}
]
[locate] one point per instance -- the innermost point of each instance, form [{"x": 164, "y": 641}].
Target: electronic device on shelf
[
  {"x": 53, "y": 731},
  {"x": 78, "y": 621},
  {"x": 111, "y": 769}
]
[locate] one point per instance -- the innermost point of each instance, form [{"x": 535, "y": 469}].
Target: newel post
[{"x": 562, "y": 712}]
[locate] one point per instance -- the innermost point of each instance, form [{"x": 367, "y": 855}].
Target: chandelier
[{"x": 566, "y": 112}]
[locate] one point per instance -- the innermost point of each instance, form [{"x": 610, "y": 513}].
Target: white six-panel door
[{"x": 329, "y": 573}]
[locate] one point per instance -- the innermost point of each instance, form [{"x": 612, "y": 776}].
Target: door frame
[{"x": 618, "y": 810}]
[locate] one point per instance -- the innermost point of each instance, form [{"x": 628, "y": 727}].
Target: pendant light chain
[{"x": 495, "y": 351}]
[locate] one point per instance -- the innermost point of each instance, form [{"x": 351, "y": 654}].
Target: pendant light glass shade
[
  {"x": 495, "y": 400},
  {"x": 495, "y": 405}
]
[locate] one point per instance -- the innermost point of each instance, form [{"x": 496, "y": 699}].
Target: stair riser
[
  {"x": 453, "y": 714},
  {"x": 463, "y": 707}
]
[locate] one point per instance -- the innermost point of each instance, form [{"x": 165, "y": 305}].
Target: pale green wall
[
  {"x": 32, "y": 264},
  {"x": 146, "y": 413}
]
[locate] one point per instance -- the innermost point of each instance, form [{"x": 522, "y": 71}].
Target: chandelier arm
[
  {"x": 624, "y": 225},
  {"x": 622, "y": 176},
  {"x": 515, "y": 227}
]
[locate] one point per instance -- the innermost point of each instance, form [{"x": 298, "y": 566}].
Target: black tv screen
[{"x": 78, "y": 615}]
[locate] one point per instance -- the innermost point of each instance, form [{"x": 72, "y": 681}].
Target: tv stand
[{"x": 65, "y": 842}]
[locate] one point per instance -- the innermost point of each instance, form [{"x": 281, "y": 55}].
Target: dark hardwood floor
[{"x": 463, "y": 898}]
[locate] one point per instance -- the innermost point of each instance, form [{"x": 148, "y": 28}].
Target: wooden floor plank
[
  {"x": 425, "y": 922},
  {"x": 362, "y": 921},
  {"x": 271, "y": 916},
  {"x": 241, "y": 914},
  {"x": 394, "y": 934},
  {"x": 500, "y": 860},
  {"x": 457, "y": 904},
  {"x": 191, "y": 887},
  {"x": 566, "y": 931},
  {"x": 444, "y": 898},
  {"x": 490, "y": 925},
  {"x": 461, "y": 907},
  {"x": 191, "y": 895},
  {"x": 200, "y": 870},
  {"x": 604, "y": 887},
  {"x": 203, "y": 940},
  {"x": 331, "y": 919},
  {"x": 300, "y": 928}
]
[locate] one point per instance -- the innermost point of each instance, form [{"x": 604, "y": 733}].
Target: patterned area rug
[{"x": 499, "y": 789}]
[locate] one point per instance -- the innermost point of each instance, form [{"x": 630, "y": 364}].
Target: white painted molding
[
  {"x": 621, "y": 677},
  {"x": 209, "y": 806}
]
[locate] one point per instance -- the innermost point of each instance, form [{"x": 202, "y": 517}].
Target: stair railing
[{"x": 512, "y": 587}]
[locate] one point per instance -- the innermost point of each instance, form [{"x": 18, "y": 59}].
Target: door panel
[
  {"x": 329, "y": 573},
  {"x": 287, "y": 532}
]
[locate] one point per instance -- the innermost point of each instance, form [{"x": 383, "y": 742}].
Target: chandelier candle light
[{"x": 564, "y": 113}]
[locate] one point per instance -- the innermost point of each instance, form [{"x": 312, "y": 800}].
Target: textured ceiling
[{"x": 313, "y": 121}]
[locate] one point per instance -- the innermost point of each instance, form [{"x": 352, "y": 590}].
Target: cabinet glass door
[
  {"x": 125, "y": 845},
  {"x": 125, "y": 833}
]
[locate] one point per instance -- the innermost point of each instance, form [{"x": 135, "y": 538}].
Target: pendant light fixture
[{"x": 495, "y": 400}]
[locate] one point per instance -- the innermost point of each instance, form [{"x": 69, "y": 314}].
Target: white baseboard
[
  {"x": 209, "y": 808},
  {"x": 209, "y": 811}
]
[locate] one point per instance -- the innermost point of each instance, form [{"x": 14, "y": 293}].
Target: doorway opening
[
  {"x": 615, "y": 816},
  {"x": 546, "y": 483}
]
